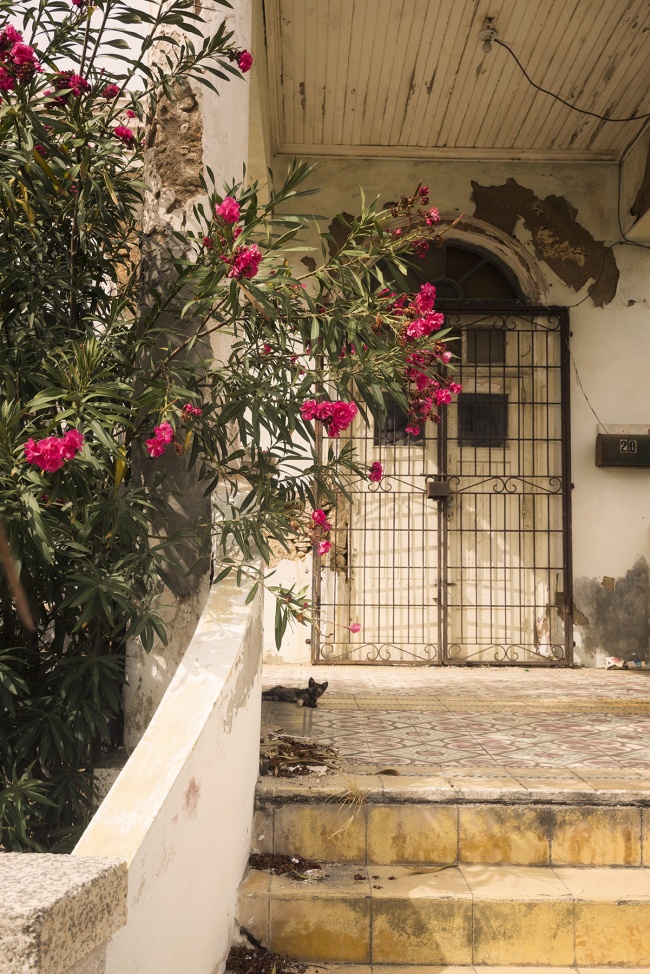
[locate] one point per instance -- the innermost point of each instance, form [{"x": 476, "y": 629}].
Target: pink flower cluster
[
  {"x": 52, "y": 452},
  {"x": 110, "y": 91},
  {"x": 229, "y": 210},
  {"x": 245, "y": 262},
  {"x": 72, "y": 84},
  {"x": 125, "y": 135},
  {"x": 320, "y": 525},
  {"x": 376, "y": 472},
  {"x": 18, "y": 62},
  {"x": 162, "y": 437},
  {"x": 335, "y": 416},
  {"x": 189, "y": 411}
]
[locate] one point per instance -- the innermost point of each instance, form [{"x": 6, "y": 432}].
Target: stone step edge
[
  {"x": 343, "y": 968},
  {"x": 385, "y": 789}
]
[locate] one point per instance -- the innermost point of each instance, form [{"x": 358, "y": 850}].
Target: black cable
[{"x": 583, "y": 111}]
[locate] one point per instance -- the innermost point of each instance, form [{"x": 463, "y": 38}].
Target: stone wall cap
[{"x": 56, "y": 909}]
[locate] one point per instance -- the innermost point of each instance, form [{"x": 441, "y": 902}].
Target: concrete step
[
  {"x": 475, "y": 969},
  {"x": 499, "y": 916},
  {"x": 396, "y": 821}
]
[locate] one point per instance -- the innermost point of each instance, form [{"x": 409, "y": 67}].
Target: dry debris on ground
[
  {"x": 257, "y": 960},
  {"x": 284, "y": 756},
  {"x": 273, "y": 862}
]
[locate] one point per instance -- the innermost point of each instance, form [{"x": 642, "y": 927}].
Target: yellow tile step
[
  {"x": 525, "y": 834},
  {"x": 468, "y": 915},
  {"x": 474, "y": 969}
]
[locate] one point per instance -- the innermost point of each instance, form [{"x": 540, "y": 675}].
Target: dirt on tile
[
  {"x": 279, "y": 865},
  {"x": 257, "y": 960}
]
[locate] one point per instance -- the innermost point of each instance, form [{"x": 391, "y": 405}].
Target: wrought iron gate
[{"x": 462, "y": 553}]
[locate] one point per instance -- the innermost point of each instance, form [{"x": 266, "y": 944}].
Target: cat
[{"x": 302, "y": 698}]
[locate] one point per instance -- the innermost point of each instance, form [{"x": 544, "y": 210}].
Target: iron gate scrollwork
[{"x": 462, "y": 553}]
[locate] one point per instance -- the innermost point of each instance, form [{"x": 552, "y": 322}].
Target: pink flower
[
  {"x": 398, "y": 232},
  {"x": 420, "y": 247},
  {"x": 425, "y": 298},
  {"x": 245, "y": 61},
  {"x": 46, "y": 454},
  {"x": 443, "y": 397},
  {"x": 125, "y": 135},
  {"x": 229, "y": 210},
  {"x": 355, "y": 627},
  {"x": 324, "y": 547},
  {"x": 130, "y": 114},
  {"x": 319, "y": 518},
  {"x": 413, "y": 429},
  {"x": 376, "y": 472},
  {"x": 72, "y": 83},
  {"x": 432, "y": 216},
  {"x": 266, "y": 349},
  {"x": 72, "y": 444},
  {"x": 341, "y": 415},
  {"x": 246, "y": 262},
  {"x": 155, "y": 447},
  {"x": 416, "y": 328},
  {"x": 208, "y": 243},
  {"x": 110, "y": 91},
  {"x": 7, "y": 81},
  {"x": 308, "y": 409},
  {"x": 445, "y": 357},
  {"x": 454, "y": 388},
  {"x": 190, "y": 410},
  {"x": 164, "y": 432},
  {"x": 9, "y": 36}
]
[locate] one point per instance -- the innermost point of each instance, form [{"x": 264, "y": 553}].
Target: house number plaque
[{"x": 622, "y": 450}]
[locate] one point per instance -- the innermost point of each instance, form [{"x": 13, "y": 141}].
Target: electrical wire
[{"x": 583, "y": 111}]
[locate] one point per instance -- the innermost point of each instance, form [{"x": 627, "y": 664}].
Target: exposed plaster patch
[
  {"x": 617, "y": 613},
  {"x": 642, "y": 202},
  {"x": 176, "y": 137},
  {"x": 567, "y": 247}
]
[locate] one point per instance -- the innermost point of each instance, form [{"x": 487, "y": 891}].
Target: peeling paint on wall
[
  {"x": 642, "y": 202},
  {"x": 559, "y": 240},
  {"x": 613, "y": 616}
]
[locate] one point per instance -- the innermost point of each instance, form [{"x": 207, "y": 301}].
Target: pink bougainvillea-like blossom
[
  {"x": 324, "y": 547},
  {"x": 245, "y": 262},
  {"x": 245, "y": 61},
  {"x": 162, "y": 437},
  {"x": 335, "y": 416},
  {"x": 355, "y": 627},
  {"x": 319, "y": 519},
  {"x": 376, "y": 472},
  {"x": 229, "y": 210},
  {"x": 425, "y": 298},
  {"x": 51, "y": 453},
  {"x": 413, "y": 429},
  {"x": 432, "y": 216},
  {"x": 110, "y": 91},
  {"x": 125, "y": 135}
]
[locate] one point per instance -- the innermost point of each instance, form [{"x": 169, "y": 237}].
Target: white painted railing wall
[{"x": 180, "y": 813}]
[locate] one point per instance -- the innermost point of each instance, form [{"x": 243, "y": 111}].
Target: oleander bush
[{"x": 106, "y": 368}]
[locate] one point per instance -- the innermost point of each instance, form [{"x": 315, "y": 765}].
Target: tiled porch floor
[{"x": 589, "y": 726}]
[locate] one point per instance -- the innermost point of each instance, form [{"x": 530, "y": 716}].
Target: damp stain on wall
[
  {"x": 612, "y": 613},
  {"x": 567, "y": 247}
]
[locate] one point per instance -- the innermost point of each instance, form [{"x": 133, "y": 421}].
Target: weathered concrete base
[{"x": 58, "y": 912}]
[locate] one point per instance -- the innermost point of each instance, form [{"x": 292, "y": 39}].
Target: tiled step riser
[
  {"x": 460, "y": 930},
  {"x": 445, "y": 833}
]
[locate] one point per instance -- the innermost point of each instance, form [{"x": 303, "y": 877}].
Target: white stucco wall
[
  {"x": 180, "y": 812},
  {"x": 610, "y": 348}
]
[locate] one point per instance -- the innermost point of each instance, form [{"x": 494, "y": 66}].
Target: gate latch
[{"x": 437, "y": 489}]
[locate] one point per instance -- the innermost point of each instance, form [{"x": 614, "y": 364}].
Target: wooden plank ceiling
[{"x": 402, "y": 78}]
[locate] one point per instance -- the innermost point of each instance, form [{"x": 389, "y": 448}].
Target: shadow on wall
[{"x": 612, "y": 617}]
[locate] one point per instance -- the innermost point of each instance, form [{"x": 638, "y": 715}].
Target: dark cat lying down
[{"x": 302, "y": 698}]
